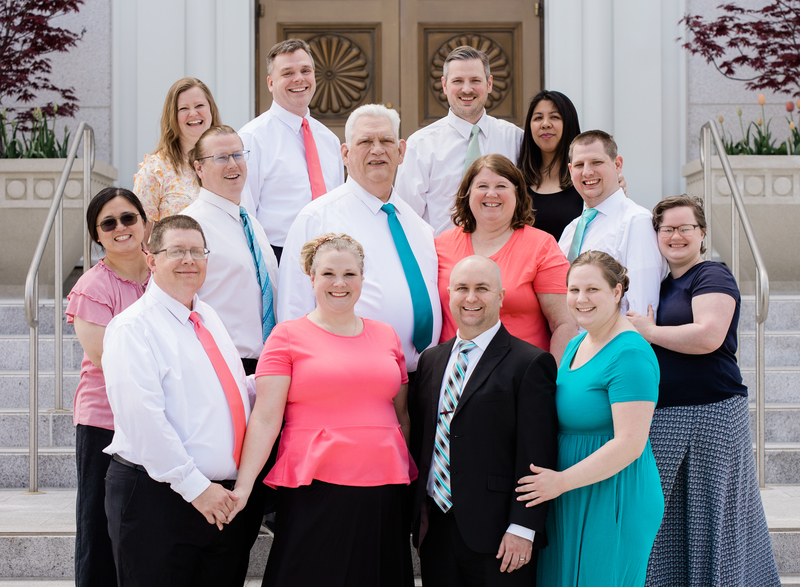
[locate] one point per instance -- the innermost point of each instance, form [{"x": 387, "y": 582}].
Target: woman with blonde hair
[
  {"x": 339, "y": 381},
  {"x": 166, "y": 182}
]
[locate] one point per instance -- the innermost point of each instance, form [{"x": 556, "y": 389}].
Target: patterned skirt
[{"x": 714, "y": 532}]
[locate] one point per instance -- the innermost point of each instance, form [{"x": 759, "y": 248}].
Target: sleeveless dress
[{"x": 602, "y": 534}]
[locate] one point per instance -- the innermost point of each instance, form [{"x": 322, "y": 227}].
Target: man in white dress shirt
[
  {"x": 371, "y": 152},
  {"x": 280, "y": 180},
  {"x": 177, "y": 425},
  {"x": 613, "y": 223},
  {"x": 436, "y": 155}
]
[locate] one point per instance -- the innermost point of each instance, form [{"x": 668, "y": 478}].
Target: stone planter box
[
  {"x": 770, "y": 186},
  {"x": 27, "y": 187}
]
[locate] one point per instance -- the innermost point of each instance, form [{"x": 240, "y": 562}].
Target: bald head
[{"x": 476, "y": 295}]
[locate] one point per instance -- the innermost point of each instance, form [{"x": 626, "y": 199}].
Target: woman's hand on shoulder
[
  {"x": 644, "y": 324},
  {"x": 543, "y": 485}
]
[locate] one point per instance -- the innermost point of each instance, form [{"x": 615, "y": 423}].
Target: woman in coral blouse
[
  {"x": 165, "y": 182},
  {"x": 340, "y": 383},
  {"x": 494, "y": 218}
]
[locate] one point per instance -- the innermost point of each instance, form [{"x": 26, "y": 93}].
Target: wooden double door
[{"x": 392, "y": 51}]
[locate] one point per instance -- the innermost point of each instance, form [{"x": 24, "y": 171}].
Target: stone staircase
[{"x": 23, "y": 544}]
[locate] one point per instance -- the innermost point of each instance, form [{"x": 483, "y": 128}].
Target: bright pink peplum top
[{"x": 341, "y": 425}]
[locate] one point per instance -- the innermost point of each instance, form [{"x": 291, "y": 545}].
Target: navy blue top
[{"x": 691, "y": 380}]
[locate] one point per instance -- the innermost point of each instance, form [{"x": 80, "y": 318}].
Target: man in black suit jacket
[{"x": 502, "y": 421}]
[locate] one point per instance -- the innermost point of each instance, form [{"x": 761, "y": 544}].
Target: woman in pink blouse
[
  {"x": 116, "y": 221},
  {"x": 494, "y": 218},
  {"x": 343, "y": 466},
  {"x": 165, "y": 182}
]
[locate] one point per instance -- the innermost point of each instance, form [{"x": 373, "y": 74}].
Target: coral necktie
[
  {"x": 228, "y": 384},
  {"x": 312, "y": 161}
]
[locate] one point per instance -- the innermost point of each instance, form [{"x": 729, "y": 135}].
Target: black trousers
[
  {"x": 447, "y": 561},
  {"x": 94, "y": 562},
  {"x": 158, "y": 538}
]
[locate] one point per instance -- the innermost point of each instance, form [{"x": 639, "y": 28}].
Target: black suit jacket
[{"x": 505, "y": 420}]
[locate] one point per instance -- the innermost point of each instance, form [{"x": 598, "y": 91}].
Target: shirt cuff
[
  {"x": 191, "y": 487},
  {"x": 521, "y": 531}
]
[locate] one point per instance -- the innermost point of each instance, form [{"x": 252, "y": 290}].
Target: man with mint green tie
[
  {"x": 611, "y": 222},
  {"x": 400, "y": 264}
]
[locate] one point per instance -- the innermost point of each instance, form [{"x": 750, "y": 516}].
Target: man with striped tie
[{"x": 483, "y": 411}]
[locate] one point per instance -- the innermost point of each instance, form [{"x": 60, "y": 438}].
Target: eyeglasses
[
  {"x": 127, "y": 219},
  {"x": 683, "y": 229},
  {"x": 180, "y": 252},
  {"x": 222, "y": 158}
]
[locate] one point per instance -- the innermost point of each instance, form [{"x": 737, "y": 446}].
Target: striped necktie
[
  {"x": 267, "y": 311},
  {"x": 421, "y": 301},
  {"x": 473, "y": 148},
  {"x": 442, "y": 492},
  {"x": 577, "y": 238}
]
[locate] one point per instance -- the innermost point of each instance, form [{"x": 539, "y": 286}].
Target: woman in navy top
[{"x": 714, "y": 531}]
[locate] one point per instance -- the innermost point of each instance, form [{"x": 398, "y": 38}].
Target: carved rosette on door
[{"x": 342, "y": 71}]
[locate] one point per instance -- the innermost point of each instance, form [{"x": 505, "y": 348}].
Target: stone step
[
  {"x": 14, "y": 353},
  {"x": 782, "y": 384},
  {"x": 12, "y": 318},
  {"x": 784, "y": 313},
  {"x": 782, "y": 422},
  {"x": 37, "y": 534},
  {"x": 14, "y": 386},
  {"x": 56, "y": 428},
  {"x": 782, "y": 349}
]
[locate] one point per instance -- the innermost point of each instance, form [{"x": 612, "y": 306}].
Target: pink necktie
[
  {"x": 227, "y": 381},
  {"x": 312, "y": 160}
]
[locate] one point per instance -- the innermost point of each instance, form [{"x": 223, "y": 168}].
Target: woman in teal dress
[{"x": 607, "y": 494}]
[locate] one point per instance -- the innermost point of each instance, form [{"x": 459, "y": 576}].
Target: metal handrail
[
  {"x": 54, "y": 218},
  {"x": 707, "y": 132}
]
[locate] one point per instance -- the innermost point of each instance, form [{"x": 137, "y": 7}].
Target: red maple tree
[
  {"x": 765, "y": 40},
  {"x": 27, "y": 38}
]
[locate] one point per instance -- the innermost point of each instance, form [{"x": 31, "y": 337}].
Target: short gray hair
[
  {"x": 371, "y": 110},
  {"x": 466, "y": 53}
]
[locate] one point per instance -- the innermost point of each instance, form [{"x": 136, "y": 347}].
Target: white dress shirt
[
  {"x": 277, "y": 174},
  {"x": 474, "y": 356},
  {"x": 231, "y": 286},
  {"x": 385, "y": 295},
  {"x": 624, "y": 230},
  {"x": 433, "y": 165},
  {"x": 171, "y": 414}
]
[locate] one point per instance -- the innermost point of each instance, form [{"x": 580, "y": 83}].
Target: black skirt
[{"x": 337, "y": 535}]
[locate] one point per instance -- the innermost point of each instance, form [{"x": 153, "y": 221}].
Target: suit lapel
[
  {"x": 440, "y": 359},
  {"x": 494, "y": 353}
]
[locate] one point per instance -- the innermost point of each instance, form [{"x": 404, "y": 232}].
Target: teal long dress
[{"x": 602, "y": 534}]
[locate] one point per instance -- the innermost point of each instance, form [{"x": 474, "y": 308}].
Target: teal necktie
[
  {"x": 423, "y": 313},
  {"x": 267, "y": 311},
  {"x": 473, "y": 148},
  {"x": 577, "y": 238}
]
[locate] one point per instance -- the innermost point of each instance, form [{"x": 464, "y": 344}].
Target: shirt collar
[
  {"x": 482, "y": 340},
  {"x": 370, "y": 201},
  {"x": 464, "y": 127},
  {"x": 175, "y": 308},
  {"x": 611, "y": 203},
  {"x": 290, "y": 119},
  {"x": 222, "y": 203}
]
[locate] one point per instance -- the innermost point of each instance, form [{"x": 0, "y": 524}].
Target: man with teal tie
[
  {"x": 611, "y": 222},
  {"x": 400, "y": 264},
  {"x": 439, "y": 154}
]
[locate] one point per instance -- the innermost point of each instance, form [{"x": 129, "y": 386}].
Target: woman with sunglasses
[
  {"x": 166, "y": 182},
  {"x": 116, "y": 221}
]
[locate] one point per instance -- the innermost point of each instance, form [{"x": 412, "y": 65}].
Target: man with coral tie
[
  {"x": 483, "y": 410},
  {"x": 180, "y": 400},
  {"x": 293, "y": 157}
]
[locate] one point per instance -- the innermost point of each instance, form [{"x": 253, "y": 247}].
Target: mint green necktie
[
  {"x": 473, "y": 148},
  {"x": 577, "y": 238},
  {"x": 421, "y": 301}
]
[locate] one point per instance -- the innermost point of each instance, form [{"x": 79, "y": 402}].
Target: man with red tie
[
  {"x": 180, "y": 400},
  {"x": 293, "y": 157}
]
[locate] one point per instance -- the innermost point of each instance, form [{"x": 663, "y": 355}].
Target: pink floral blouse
[{"x": 163, "y": 190}]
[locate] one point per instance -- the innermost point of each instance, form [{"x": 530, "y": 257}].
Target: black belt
[{"x": 226, "y": 483}]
